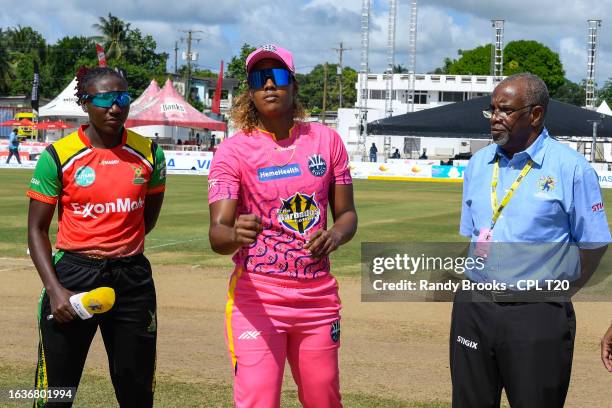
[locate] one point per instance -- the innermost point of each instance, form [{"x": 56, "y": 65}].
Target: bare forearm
[
  {"x": 223, "y": 239},
  {"x": 153, "y": 204},
  {"x": 345, "y": 226},
  {"x": 40, "y": 252}
]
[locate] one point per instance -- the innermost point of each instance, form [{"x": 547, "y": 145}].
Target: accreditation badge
[{"x": 483, "y": 244}]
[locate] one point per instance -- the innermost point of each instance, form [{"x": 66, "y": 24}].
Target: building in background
[{"x": 430, "y": 91}]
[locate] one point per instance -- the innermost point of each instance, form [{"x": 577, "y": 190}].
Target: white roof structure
[
  {"x": 64, "y": 104},
  {"x": 605, "y": 109}
]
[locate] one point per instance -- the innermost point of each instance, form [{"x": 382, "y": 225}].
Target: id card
[{"x": 483, "y": 244}]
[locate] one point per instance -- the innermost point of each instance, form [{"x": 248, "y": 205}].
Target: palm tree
[
  {"x": 399, "y": 69},
  {"x": 114, "y": 33}
]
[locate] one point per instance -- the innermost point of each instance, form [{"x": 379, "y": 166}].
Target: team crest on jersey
[
  {"x": 546, "y": 183},
  {"x": 138, "y": 179},
  {"x": 335, "y": 331},
  {"x": 317, "y": 165},
  {"x": 299, "y": 213},
  {"x": 84, "y": 176}
]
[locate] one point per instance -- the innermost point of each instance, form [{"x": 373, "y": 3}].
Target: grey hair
[{"x": 537, "y": 91}]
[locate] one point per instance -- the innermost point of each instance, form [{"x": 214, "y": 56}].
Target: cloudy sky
[{"x": 312, "y": 28}]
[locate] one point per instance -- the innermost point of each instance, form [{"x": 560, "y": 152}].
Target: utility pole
[
  {"x": 175, "y": 56},
  {"x": 340, "y": 51},
  {"x": 324, "y": 91},
  {"x": 189, "y": 57}
]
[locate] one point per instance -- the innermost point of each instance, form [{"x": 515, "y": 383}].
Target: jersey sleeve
[
  {"x": 45, "y": 184},
  {"x": 224, "y": 177},
  {"x": 588, "y": 222},
  {"x": 341, "y": 170},
  {"x": 157, "y": 183}
]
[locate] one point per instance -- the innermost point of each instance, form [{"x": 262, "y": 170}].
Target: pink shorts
[{"x": 270, "y": 319}]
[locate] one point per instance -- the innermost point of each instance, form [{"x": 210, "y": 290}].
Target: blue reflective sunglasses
[
  {"x": 280, "y": 76},
  {"x": 108, "y": 99}
]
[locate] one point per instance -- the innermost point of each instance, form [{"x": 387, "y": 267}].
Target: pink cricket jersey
[{"x": 286, "y": 183}]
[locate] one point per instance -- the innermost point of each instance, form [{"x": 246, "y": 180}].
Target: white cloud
[{"x": 311, "y": 28}]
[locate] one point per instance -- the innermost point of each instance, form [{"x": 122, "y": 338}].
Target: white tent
[
  {"x": 64, "y": 104},
  {"x": 604, "y": 108}
]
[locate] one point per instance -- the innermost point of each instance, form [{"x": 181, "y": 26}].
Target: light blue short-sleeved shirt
[{"x": 557, "y": 209}]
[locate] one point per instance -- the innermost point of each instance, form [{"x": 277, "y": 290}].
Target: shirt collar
[{"x": 535, "y": 151}]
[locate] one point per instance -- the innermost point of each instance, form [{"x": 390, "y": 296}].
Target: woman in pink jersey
[{"x": 269, "y": 188}]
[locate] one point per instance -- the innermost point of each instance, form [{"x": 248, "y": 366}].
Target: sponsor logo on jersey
[
  {"x": 84, "y": 176},
  {"x": 546, "y": 183},
  {"x": 276, "y": 172},
  {"x": 468, "y": 343},
  {"x": 138, "y": 179},
  {"x": 35, "y": 181},
  {"x": 317, "y": 165},
  {"x": 249, "y": 335},
  {"x": 109, "y": 162},
  {"x": 335, "y": 331},
  {"x": 299, "y": 213},
  {"x": 121, "y": 205},
  {"x": 597, "y": 207}
]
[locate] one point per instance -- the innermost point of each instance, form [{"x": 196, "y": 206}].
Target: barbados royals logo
[
  {"x": 317, "y": 165},
  {"x": 299, "y": 212},
  {"x": 546, "y": 183}
]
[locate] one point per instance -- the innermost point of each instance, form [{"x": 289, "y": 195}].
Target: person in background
[
  {"x": 396, "y": 154},
  {"x": 423, "y": 155},
  {"x": 13, "y": 147},
  {"x": 373, "y": 152}
]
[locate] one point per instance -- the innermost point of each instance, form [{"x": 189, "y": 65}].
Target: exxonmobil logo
[{"x": 120, "y": 205}]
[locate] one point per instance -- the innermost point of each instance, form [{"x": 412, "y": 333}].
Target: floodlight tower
[
  {"x": 497, "y": 57},
  {"x": 389, "y": 72},
  {"x": 363, "y": 77},
  {"x": 593, "y": 25},
  {"x": 390, "y": 58},
  {"x": 412, "y": 43}
]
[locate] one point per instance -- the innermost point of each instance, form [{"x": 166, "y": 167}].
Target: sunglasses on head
[
  {"x": 108, "y": 99},
  {"x": 280, "y": 76}
]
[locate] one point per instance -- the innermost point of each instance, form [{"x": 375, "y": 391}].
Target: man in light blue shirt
[
  {"x": 13, "y": 147},
  {"x": 533, "y": 209}
]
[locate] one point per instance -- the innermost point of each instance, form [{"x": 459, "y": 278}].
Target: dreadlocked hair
[
  {"x": 244, "y": 114},
  {"x": 85, "y": 76}
]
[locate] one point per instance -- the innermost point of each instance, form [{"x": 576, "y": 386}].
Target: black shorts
[{"x": 129, "y": 329}]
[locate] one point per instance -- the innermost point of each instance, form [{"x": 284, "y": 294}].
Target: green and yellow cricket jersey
[{"x": 101, "y": 192}]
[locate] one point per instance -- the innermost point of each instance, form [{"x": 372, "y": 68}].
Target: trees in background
[{"x": 126, "y": 48}]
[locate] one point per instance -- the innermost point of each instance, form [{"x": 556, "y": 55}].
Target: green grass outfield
[{"x": 388, "y": 211}]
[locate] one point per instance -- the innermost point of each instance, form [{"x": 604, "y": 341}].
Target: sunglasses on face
[
  {"x": 108, "y": 99},
  {"x": 280, "y": 76}
]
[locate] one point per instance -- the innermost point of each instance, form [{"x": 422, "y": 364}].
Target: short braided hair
[{"x": 85, "y": 77}]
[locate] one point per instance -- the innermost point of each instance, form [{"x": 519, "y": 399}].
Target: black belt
[{"x": 521, "y": 297}]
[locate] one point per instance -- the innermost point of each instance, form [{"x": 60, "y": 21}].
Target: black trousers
[
  {"x": 524, "y": 348},
  {"x": 13, "y": 153},
  {"x": 129, "y": 329}
]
